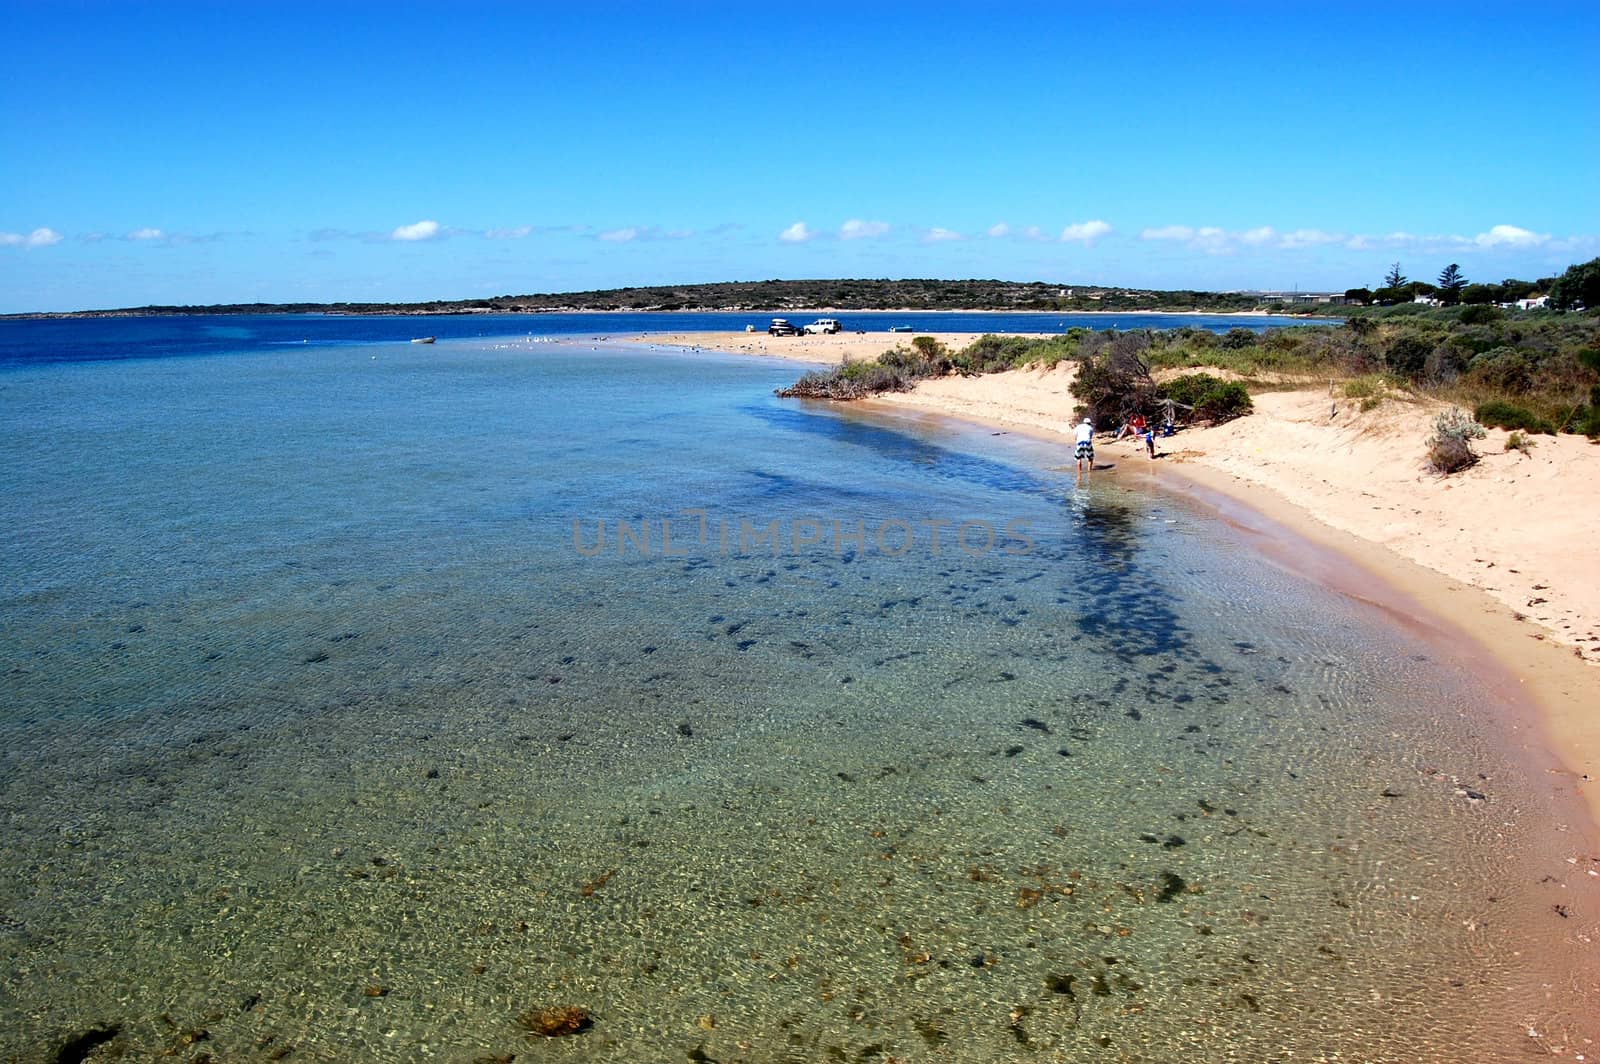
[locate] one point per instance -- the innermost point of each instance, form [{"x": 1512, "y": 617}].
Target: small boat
[
  {"x": 900, "y": 328},
  {"x": 423, "y": 340}
]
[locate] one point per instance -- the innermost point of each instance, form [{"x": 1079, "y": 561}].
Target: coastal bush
[
  {"x": 1505, "y": 369},
  {"x": 1115, "y": 385},
  {"x": 1479, "y": 314},
  {"x": 1229, "y": 400},
  {"x": 993, "y": 354},
  {"x": 1370, "y": 390},
  {"x": 1236, "y": 338},
  {"x": 1407, "y": 354},
  {"x": 853, "y": 380},
  {"x": 1202, "y": 397},
  {"x": 1499, "y": 414},
  {"x": 1363, "y": 387},
  {"x": 1449, "y": 448},
  {"x": 1518, "y": 442},
  {"x": 935, "y": 357}
]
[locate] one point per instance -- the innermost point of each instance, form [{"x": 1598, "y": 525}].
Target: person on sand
[
  {"x": 1085, "y": 449},
  {"x": 1134, "y": 427},
  {"x": 1150, "y": 441}
]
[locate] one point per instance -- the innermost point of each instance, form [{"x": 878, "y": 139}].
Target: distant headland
[{"x": 800, "y": 295}]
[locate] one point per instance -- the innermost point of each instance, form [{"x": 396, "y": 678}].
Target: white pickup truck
[{"x": 823, "y": 325}]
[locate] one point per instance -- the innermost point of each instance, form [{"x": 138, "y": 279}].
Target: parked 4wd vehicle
[
  {"x": 823, "y": 325},
  {"x": 781, "y": 327}
]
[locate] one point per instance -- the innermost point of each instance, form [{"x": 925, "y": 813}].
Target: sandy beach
[
  {"x": 832, "y": 350},
  {"x": 1498, "y": 553}
]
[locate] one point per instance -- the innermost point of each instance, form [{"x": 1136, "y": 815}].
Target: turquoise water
[{"x": 332, "y": 725}]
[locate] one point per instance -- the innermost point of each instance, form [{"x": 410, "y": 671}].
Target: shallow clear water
[{"x": 332, "y": 724}]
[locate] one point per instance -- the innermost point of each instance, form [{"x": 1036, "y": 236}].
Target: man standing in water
[{"x": 1085, "y": 449}]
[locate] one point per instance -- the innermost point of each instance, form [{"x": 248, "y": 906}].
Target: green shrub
[
  {"x": 1505, "y": 369},
  {"x": 1499, "y": 414},
  {"x": 1187, "y": 389},
  {"x": 1585, "y": 420},
  {"x": 1407, "y": 355},
  {"x": 1454, "y": 424},
  {"x": 898, "y": 357},
  {"x": 1208, "y": 398},
  {"x": 1367, "y": 386},
  {"x": 1480, "y": 314},
  {"x": 991, "y": 354},
  {"x": 1224, "y": 403},
  {"x": 1518, "y": 442},
  {"x": 1237, "y": 338},
  {"x": 932, "y": 352}
]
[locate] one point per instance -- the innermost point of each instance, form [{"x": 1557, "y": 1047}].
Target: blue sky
[{"x": 201, "y": 153}]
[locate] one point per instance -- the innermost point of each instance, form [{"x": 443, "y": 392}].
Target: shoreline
[{"x": 1550, "y": 686}]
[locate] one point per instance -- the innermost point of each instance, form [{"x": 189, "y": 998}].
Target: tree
[
  {"x": 1357, "y": 295},
  {"x": 1115, "y": 384},
  {"x": 1394, "y": 278},
  {"x": 1577, "y": 288},
  {"x": 1451, "y": 283},
  {"x": 1482, "y": 293}
]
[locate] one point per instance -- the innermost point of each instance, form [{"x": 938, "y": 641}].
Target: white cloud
[
  {"x": 1510, "y": 235},
  {"x": 999, "y": 229},
  {"x": 1217, "y": 241},
  {"x": 796, "y": 234},
  {"x": 856, "y": 229},
  {"x": 515, "y": 233},
  {"x": 1307, "y": 238},
  {"x": 937, "y": 235},
  {"x": 40, "y": 238},
  {"x": 423, "y": 230},
  {"x": 146, "y": 234},
  {"x": 1033, "y": 232},
  {"x": 1087, "y": 232},
  {"x": 643, "y": 232}
]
